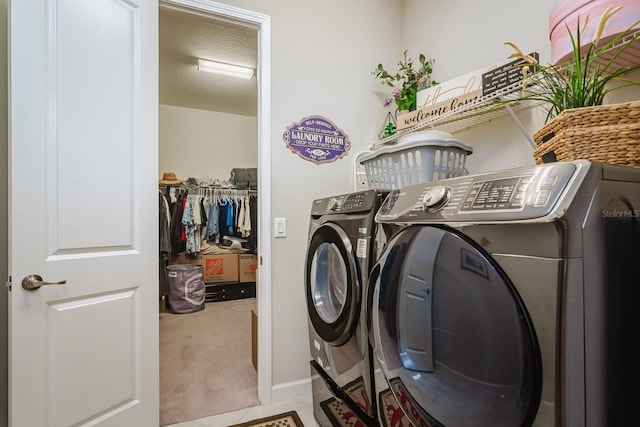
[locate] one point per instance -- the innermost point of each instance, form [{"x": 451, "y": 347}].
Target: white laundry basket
[{"x": 416, "y": 158}]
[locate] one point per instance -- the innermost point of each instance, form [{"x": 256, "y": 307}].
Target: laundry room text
[{"x": 317, "y": 139}]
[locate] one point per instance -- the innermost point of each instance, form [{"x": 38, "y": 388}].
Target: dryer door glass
[
  {"x": 452, "y": 335},
  {"x": 328, "y": 282},
  {"x": 332, "y": 284}
]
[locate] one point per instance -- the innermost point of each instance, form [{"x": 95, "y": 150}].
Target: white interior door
[{"x": 83, "y": 208}]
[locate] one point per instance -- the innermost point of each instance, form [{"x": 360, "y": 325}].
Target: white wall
[{"x": 205, "y": 144}]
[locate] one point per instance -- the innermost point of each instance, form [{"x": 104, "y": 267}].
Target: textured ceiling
[{"x": 183, "y": 39}]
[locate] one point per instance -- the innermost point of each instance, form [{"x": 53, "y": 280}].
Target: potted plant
[
  {"x": 573, "y": 92},
  {"x": 407, "y": 81}
]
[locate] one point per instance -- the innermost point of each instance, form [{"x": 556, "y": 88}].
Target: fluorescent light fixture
[{"x": 225, "y": 69}]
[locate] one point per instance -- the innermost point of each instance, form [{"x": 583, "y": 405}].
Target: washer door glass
[
  {"x": 332, "y": 284},
  {"x": 328, "y": 282},
  {"x": 451, "y": 333}
]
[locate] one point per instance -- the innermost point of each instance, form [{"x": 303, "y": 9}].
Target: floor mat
[
  {"x": 393, "y": 416},
  {"x": 341, "y": 415},
  {"x": 287, "y": 419}
]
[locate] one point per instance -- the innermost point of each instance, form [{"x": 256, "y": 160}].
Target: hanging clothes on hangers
[
  {"x": 213, "y": 231},
  {"x": 240, "y": 221},
  {"x": 178, "y": 241},
  {"x": 192, "y": 222},
  {"x": 165, "y": 243},
  {"x": 203, "y": 213},
  {"x": 246, "y": 222},
  {"x": 253, "y": 209}
]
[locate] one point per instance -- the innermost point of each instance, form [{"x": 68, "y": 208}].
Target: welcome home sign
[{"x": 462, "y": 92}]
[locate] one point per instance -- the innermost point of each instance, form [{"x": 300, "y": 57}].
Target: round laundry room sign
[{"x": 317, "y": 139}]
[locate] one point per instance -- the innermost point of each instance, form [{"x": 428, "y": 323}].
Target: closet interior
[{"x": 214, "y": 225}]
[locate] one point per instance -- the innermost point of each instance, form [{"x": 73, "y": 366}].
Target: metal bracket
[{"x": 520, "y": 126}]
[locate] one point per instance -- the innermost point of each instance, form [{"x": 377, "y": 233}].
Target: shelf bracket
[{"x": 519, "y": 124}]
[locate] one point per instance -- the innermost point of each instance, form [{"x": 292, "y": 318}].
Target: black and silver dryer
[
  {"x": 343, "y": 243},
  {"x": 510, "y": 298}
]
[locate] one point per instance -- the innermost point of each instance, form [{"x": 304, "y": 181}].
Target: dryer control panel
[
  {"x": 532, "y": 193},
  {"x": 362, "y": 201}
]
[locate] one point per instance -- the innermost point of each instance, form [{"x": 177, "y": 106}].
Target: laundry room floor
[{"x": 303, "y": 406}]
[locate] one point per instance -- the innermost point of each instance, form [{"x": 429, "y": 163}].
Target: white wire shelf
[
  {"x": 479, "y": 111},
  {"x": 495, "y": 105}
]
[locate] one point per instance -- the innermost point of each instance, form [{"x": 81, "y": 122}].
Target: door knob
[{"x": 33, "y": 282}]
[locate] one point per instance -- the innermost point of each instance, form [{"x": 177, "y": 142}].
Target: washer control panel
[
  {"x": 361, "y": 201},
  {"x": 508, "y": 193},
  {"x": 514, "y": 194}
]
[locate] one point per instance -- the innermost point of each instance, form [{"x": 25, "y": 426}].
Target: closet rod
[{"x": 215, "y": 188}]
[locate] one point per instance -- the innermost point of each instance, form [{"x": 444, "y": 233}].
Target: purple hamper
[{"x": 186, "y": 288}]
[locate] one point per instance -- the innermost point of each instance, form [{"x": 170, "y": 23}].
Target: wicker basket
[
  {"x": 587, "y": 117},
  {"x": 615, "y": 144},
  {"x": 605, "y": 133}
]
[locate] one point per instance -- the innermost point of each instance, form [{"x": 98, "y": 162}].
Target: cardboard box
[
  {"x": 219, "y": 268},
  {"x": 254, "y": 338},
  {"x": 247, "y": 265}
]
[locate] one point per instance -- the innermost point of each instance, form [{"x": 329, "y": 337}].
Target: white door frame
[{"x": 262, "y": 23}]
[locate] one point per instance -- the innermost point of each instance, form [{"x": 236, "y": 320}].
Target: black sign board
[{"x": 504, "y": 76}]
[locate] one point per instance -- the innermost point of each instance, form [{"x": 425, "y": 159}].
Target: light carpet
[{"x": 205, "y": 362}]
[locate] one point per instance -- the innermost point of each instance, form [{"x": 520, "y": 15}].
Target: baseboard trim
[{"x": 291, "y": 391}]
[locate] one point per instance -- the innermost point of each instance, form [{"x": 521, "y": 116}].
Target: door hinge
[{"x": 8, "y": 283}]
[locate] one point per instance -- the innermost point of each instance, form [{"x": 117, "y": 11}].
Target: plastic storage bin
[
  {"x": 416, "y": 158},
  {"x": 186, "y": 288}
]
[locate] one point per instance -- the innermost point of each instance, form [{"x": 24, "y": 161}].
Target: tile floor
[{"x": 303, "y": 406}]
